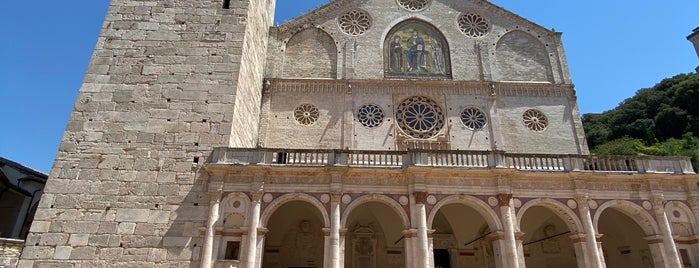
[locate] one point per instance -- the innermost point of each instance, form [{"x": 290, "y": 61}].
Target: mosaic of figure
[
  {"x": 396, "y": 54},
  {"x": 416, "y": 49}
]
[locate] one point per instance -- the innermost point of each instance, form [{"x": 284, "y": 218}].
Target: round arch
[
  {"x": 519, "y": 50},
  {"x": 414, "y": 47},
  {"x": 633, "y": 211},
  {"x": 486, "y": 212},
  {"x": 400, "y": 20},
  {"x": 395, "y": 206},
  {"x": 564, "y": 212},
  {"x": 279, "y": 201},
  {"x": 310, "y": 53},
  {"x": 686, "y": 210}
]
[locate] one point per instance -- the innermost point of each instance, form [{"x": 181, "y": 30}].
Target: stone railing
[{"x": 452, "y": 159}]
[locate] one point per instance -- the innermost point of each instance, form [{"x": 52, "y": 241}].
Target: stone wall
[
  {"x": 10, "y": 249},
  {"x": 339, "y": 127},
  {"x": 472, "y": 58},
  {"x": 167, "y": 82}
]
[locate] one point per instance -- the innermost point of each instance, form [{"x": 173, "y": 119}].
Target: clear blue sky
[{"x": 614, "y": 48}]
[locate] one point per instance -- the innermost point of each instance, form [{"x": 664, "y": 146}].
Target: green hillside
[{"x": 661, "y": 120}]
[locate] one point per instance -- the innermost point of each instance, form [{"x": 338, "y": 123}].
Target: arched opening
[
  {"x": 414, "y": 48},
  {"x": 374, "y": 237},
  {"x": 295, "y": 237},
  {"x": 310, "y": 53},
  {"x": 683, "y": 225},
  {"x": 462, "y": 238},
  {"x": 546, "y": 241},
  {"x": 521, "y": 57},
  {"x": 623, "y": 241}
]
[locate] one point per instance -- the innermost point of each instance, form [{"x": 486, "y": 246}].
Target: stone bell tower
[
  {"x": 694, "y": 38},
  {"x": 168, "y": 81}
]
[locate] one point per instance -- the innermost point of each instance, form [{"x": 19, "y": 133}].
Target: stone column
[
  {"x": 251, "y": 258},
  {"x": 408, "y": 236},
  {"x": 510, "y": 251},
  {"x": 423, "y": 258},
  {"x": 591, "y": 250},
  {"x": 655, "y": 244},
  {"x": 335, "y": 230},
  {"x": 672, "y": 257},
  {"x": 261, "y": 235},
  {"x": 343, "y": 235},
  {"x": 497, "y": 238},
  {"x": 208, "y": 247}
]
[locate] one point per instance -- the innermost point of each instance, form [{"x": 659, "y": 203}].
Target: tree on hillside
[{"x": 656, "y": 121}]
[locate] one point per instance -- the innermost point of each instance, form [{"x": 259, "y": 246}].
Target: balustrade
[{"x": 455, "y": 159}]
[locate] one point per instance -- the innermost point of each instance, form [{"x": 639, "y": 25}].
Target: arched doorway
[
  {"x": 374, "y": 237},
  {"x": 295, "y": 237},
  {"x": 623, "y": 240},
  {"x": 546, "y": 241},
  {"x": 462, "y": 238}
]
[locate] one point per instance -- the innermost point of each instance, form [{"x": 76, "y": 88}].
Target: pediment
[
  {"x": 334, "y": 9},
  {"x": 464, "y": 40}
]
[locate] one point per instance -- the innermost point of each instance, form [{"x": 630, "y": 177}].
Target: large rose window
[{"x": 420, "y": 117}]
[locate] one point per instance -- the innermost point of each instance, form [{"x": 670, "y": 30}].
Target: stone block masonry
[{"x": 168, "y": 81}]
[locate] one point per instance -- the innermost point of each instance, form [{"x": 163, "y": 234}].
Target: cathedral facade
[{"x": 364, "y": 134}]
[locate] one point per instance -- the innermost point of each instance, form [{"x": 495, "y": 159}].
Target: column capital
[
  {"x": 504, "y": 199},
  {"x": 335, "y": 197},
  {"x": 693, "y": 201},
  {"x": 420, "y": 197},
  {"x": 578, "y": 238},
  {"x": 654, "y": 239},
  {"x": 409, "y": 233},
  {"x": 256, "y": 196},
  {"x": 658, "y": 202},
  {"x": 216, "y": 195}
]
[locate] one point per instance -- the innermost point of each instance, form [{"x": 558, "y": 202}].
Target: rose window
[
  {"x": 306, "y": 114},
  {"x": 473, "y": 118},
  {"x": 473, "y": 25},
  {"x": 420, "y": 117},
  {"x": 370, "y": 115},
  {"x": 535, "y": 120},
  {"x": 414, "y": 5},
  {"x": 355, "y": 22}
]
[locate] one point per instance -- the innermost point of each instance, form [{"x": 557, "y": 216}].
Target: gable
[{"x": 462, "y": 43}]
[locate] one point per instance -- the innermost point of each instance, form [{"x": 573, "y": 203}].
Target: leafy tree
[{"x": 656, "y": 121}]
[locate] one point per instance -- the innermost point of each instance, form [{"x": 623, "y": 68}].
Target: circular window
[
  {"x": 306, "y": 114},
  {"x": 473, "y": 25},
  {"x": 473, "y": 118},
  {"x": 420, "y": 117},
  {"x": 414, "y": 5},
  {"x": 370, "y": 115},
  {"x": 355, "y": 22},
  {"x": 535, "y": 120}
]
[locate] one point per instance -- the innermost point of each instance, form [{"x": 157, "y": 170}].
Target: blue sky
[{"x": 613, "y": 47}]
